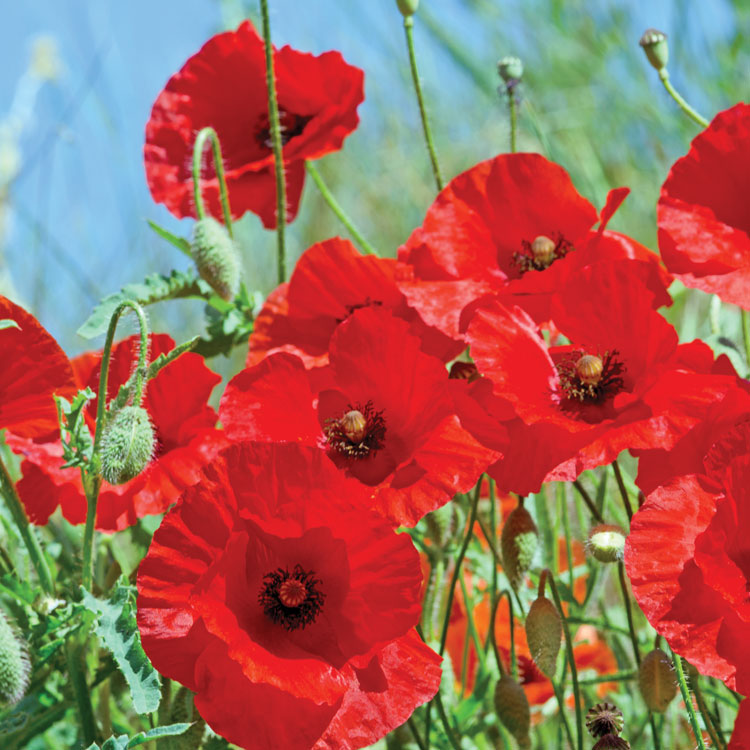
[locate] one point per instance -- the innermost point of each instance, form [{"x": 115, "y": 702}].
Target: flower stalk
[{"x": 205, "y": 134}]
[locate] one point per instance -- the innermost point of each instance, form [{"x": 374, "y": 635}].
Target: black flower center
[
  {"x": 542, "y": 252},
  {"x": 291, "y": 599},
  {"x": 359, "y": 306},
  {"x": 290, "y": 126},
  {"x": 588, "y": 378},
  {"x": 359, "y": 432}
]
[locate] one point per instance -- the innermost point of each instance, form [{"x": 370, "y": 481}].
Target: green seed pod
[
  {"x": 518, "y": 544},
  {"x": 544, "y": 634},
  {"x": 604, "y": 718},
  {"x": 510, "y": 69},
  {"x": 657, "y": 681},
  {"x": 512, "y": 708},
  {"x": 14, "y": 664},
  {"x": 611, "y": 742},
  {"x": 183, "y": 710},
  {"x": 606, "y": 543},
  {"x": 216, "y": 257},
  {"x": 407, "y": 7},
  {"x": 127, "y": 445},
  {"x": 654, "y": 43}
]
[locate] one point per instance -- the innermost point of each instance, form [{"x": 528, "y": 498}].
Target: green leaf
[
  {"x": 179, "y": 242},
  {"x": 123, "y": 742},
  {"x": 77, "y": 442},
  {"x": 8, "y": 323},
  {"x": 117, "y": 630},
  {"x": 154, "y": 288}
]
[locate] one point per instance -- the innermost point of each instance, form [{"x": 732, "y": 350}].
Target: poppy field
[{"x": 482, "y": 486}]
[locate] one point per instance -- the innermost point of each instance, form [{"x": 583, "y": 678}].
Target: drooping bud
[
  {"x": 510, "y": 69},
  {"x": 606, "y": 543},
  {"x": 544, "y": 634},
  {"x": 354, "y": 425},
  {"x": 127, "y": 445},
  {"x": 589, "y": 369},
  {"x": 611, "y": 742},
  {"x": 603, "y": 719},
  {"x": 407, "y": 7},
  {"x": 216, "y": 257},
  {"x": 444, "y": 523},
  {"x": 512, "y": 708},
  {"x": 181, "y": 711},
  {"x": 543, "y": 250},
  {"x": 654, "y": 43},
  {"x": 518, "y": 544},
  {"x": 656, "y": 680},
  {"x": 14, "y": 664}
]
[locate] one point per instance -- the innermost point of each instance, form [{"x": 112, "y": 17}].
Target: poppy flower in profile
[
  {"x": 513, "y": 226},
  {"x": 382, "y": 411},
  {"x": 287, "y": 611},
  {"x": 33, "y": 369},
  {"x": 224, "y": 86},
  {"x": 688, "y": 559},
  {"x": 186, "y": 438},
  {"x": 704, "y": 225},
  {"x": 330, "y": 281}
]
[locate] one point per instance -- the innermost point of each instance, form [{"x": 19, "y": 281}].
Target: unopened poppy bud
[
  {"x": 512, "y": 708},
  {"x": 654, "y": 43},
  {"x": 544, "y": 634},
  {"x": 407, "y": 7},
  {"x": 510, "y": 69},
  {"x": 443, "y": 523},
  {"x": 606, "y": 543},
  {"x": 656, "y": 680},
  {"x": 518, "y": 544},
  {"x": 182, "y": 711},
  {"x": 603, "y": 719},
  {"x": 127, "y": 445},
  {"x": 589, "y": 369},
  {"x": 611, "y": 742},
  {"x": 14, "y": 664},
  {"x": 216, "y": 257}
]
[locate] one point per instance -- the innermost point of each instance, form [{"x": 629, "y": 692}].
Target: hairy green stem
[
  {"x": 278, "y": 155},
  {"x": 455, "y": 744},
  {"x": 684, "y": 106},
  {"x": 77, "y": 674},
  {"x": 513, "y": 665},
  {"x": 686, "y": 699},
  {"x": 409, "y": 29},
  {"x": 713, "y": 732},
  {"x": 628, "y": 612},
  {"x": 415, "y": 733},
  {"x": 200, "y": 142}
]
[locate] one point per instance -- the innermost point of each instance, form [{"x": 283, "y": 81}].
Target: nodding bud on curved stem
[
  {"x": 216, "y": 257},
  {"x": 200, "y": 142}
]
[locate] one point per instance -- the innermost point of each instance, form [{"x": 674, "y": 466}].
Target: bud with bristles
[
  {"x": 14, "y": 664},
  {"x": 216, "y": 257},
  {"x": 407, "y": 7},
  {"x": 604, "y": 718},
  {"x": 654, "y": 43},
  {"x": 181, "y": 711},
  {"x": 657, "y": 681},
  {"x": 518, "y": 544},
  {"x": 611, "y": 742},
  {"x": 606, "y": 543},
  {"x": 510, "y": 69},
  {"x": 443, "y": 523},
  {"x": 544, "y": 634},
  {"x": 512, "y": 708},
  {"x": 127, "y": 445}
]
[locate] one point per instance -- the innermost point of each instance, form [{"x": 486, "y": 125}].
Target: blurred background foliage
[{"x": 78, "y": 80}]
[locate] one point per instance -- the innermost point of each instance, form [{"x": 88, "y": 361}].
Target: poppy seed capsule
[
  {"x": 512, "y": 708},
  {"x": 604, "y": 718},
  {"x": 543, "y": 250},
  {"x": 611, "y": 742},
  {"x": 518, "y": 544},
  {"x": 216, "y": 257},
  {"x": 14, "y": 664},
  {"x": 589, "y": 369},
  {"x": 656, "y": 680},
  {"x": 510, "y": 69},
  {"x": 407, "y": 7},
  {"x": 544, "y": 634},
  {"x": 354, "y": 425},
  {"x": 606, "y": 543},
  {"x": 654, "y": 43},
  {"x": 127, "y": 445}
]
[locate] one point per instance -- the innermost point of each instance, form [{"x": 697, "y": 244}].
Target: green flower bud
[
  {"x": 606, "y": 543},
  {"x": 510, "y": 69},
  {"x": 216, "y": 257},
  {"x": 544, "y": 634},
  {"x": 127, "y": 445},
  {"x": 183, "y": 710},
  {"x": 407, "y": 7},
  {"x": 14, "y": 664},
  {"x": 654, "y": 43},
  {"x": 512, "y": 708},
  {"x": 657, "y": 681},
  {"x": 518, "y": 543}
]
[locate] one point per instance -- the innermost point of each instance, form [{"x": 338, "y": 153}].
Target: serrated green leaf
[
  {"x": 8, "y": 323},
  {"x": 77, "y": 442},
  {"x": 117, "y": 630},
  {"x": 179, "y": 242},
  {"x": 171, "y": 730}
]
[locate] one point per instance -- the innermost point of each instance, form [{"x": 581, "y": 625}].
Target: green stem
[
  {"x": 513, "y": 666},
  {"x": 446, "y": 724},
  {"x": 623, "y": 491},
  {"x": 746, "y": 334},
  {"x": 278, "y": 155},
  {"x": 334, "y": 205},
  {"x": 684, "y": 106},
  {"x": 626, "y": 676},
  {"x": 686, "y": 699},
  {"x": 562, "y": 708},
  {"x": 512, "y": 106},
  {"x": 200, "y": 143},
  {"x": 415, "y": 733},
  {"x": 588, "y": 500},
  {"x": 716, "y": 739},
  {"x": 628, "y": 612},
  {"x": 74, "y": 656},
  {"x": 571, "y": 660},
  {"x": 562, "y": 497},
  {"x": 18, "y": 512},
  {"x": 409, "y": 29}
]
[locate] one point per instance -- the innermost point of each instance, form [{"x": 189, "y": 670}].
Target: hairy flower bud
[
  {"x": 127, "y": 445},
  {"x": 216, "y": 257},
  {"x": 510, "y": 69},
  {"x": 512, "y": 708},
  {"x": 407, "y": 7},
  {"x": 14, "y": 664},
  {"x": 654, "y": 43},
  {"x": 181, "y": 711},
  {"x": 606, "y": 543},
  {"x": 518, "y": 544},
  {"x": 544, "y": 634},
  {"x": 656, "y": 680}
]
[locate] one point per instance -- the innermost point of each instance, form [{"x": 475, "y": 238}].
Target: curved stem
[
  {"x": 278, "y": 155},
  {"x": 343, "y": 217},
  {"x": 513, "y": 666},
  {"x": 686, "y": 699},
  {"x": 38, "y": 560},
  {"x": 200, "y": 143},
  {"x": 409, "y": 29},
  {"x": 623, "y": 491},
  {"x": 683, "y": 105}
]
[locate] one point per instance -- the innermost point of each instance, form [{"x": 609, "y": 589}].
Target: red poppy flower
[
  {"x": 287, "y": 611},
  {"x": 176, "y": 400},
  {"x": 741, "y": 734},
  {"x": 688, "y": 559},
  {"x": 704, "y": 225},
  {"x": 330, "y": 281},
  {"x": 224, "y": 86},
  {"x": 513, "y": 225},
  {"x": 34, "y": 368},
  {"x": 382, "y": 411}
]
